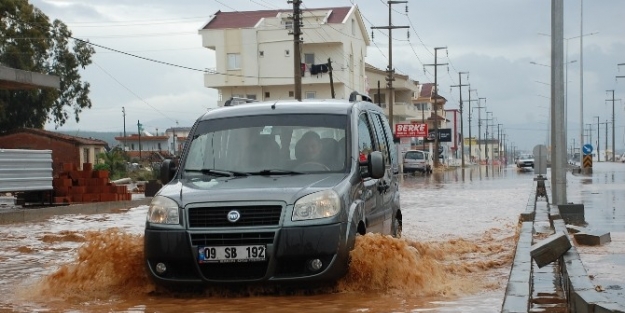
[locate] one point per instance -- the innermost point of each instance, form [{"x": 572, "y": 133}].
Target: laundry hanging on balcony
[{"x": 318, "y": 69}]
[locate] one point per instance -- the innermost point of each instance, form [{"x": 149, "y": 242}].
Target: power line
[{"x": 132, "y": 92}]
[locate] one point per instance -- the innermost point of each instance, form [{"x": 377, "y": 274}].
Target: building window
[
  {"x": 310, "y": 94},
  {"x": 234, "y": 61},
  {"x": 309, "y": 58},
  {"x": 159, "y": 146},
  {"x": 288, "y": 24},
  {"x": 291, "y": 94},
  {"x": 267, "y": 94},
  {"x": 85, "y": 152},
  {"x": 132, "y": 146},
  {"x": 380, "y": 99},
  {"x": 287, "y": 52},
  {"x": 261, "y": 53},
  {"x": 353, "y": 27},
  {"x": 250, "y": 96}
]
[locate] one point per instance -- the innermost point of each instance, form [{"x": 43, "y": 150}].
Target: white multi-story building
[
  {"x": 254, "y": 53},
  {"x": 253, "y": 50}
]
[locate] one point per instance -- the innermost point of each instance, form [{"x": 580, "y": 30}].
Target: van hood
[{"x": 286, "y": 188}]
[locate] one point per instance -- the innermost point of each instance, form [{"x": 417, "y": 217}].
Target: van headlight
[
  {"x": 317, "y": 205},
  {"x": 163, "y": 211}
]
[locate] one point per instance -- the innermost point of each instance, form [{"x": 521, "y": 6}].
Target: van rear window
[{"x": 413, "y": 155}]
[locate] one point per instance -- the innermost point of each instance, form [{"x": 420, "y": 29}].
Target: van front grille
[{"x": 257, "y": 215}]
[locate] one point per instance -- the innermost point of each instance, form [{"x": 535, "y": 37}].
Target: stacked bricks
[{"x": 75, "y": 186}]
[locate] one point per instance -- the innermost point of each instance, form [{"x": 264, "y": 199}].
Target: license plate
[{"x": 228, "y": 254}]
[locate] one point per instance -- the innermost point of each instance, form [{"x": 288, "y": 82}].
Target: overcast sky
[{"x": 493, "y": 40}]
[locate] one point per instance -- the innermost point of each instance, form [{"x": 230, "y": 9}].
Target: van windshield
[{"x": 275, "y": 144}]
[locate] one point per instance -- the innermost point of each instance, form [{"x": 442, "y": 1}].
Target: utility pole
[
  {"x": 331, "y": 79},
  {"x": 499, "y": 143},
  {"x": 436, "y": 98},
  {"x": 486, "y": 149},
  {"x": 470, "y": 138},
  {"x": 607, "y": 159},
  {"x": 460, "y": 85},
  {"x": 613, "y": 141},
  {"x": 139, "y": 127},
  {"x": 479, "y": 108},
  {"x": 124, "y": 114},
  {"x": 505, "y": 148},
  {"x": 598, "y": 140},
  {"x": 297, "y": 44},
  {"x": 390, "y": 71}
]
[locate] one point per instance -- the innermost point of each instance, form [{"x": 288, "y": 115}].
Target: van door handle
[{"x": 383, "y": 186}]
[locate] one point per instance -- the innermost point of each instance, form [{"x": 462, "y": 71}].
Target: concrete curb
[
  {"x": 581, "y": 295},
  {"x": 519, "y": 288},
  {"x": 27, "y": 215}
]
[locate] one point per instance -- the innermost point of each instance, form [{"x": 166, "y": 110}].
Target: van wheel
[{"x": 396, "y": 227}]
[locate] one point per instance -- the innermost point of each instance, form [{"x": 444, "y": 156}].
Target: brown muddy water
[{"x": 459, "y": 238}]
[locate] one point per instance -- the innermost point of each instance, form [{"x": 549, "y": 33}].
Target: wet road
[
  {"x": 603, "y": 196},
  {"x": 459, "y": 238}
]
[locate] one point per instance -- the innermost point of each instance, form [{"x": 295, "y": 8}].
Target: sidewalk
[{"x": 603, "y": 196}]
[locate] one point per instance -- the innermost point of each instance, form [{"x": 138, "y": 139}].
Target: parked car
[
  {"x": 418, "y": 161},
  {"x": 248, "y": 203},
  {"x": 525, "y": 161}
]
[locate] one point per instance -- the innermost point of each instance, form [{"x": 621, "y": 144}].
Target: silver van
[{"x": 274, "y": 192}]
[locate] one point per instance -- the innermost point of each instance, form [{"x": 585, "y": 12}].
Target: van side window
[
  {"x": 382, "y": 142},
  {"x": 389, "y": 138},
  {"x": 365, "y": 142}
]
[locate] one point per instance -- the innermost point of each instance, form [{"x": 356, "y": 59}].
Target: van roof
[{"x": 313, "y": 106}]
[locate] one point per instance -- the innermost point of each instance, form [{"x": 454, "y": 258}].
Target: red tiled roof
[
  {"x": 59, "y": 136},
  {"x": 426, "y": 90},
  {"x": 247, "y": 19}
]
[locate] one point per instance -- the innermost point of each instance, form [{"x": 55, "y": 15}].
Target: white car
[
  {"x": 525, "y": 160},
  {"x": 418, "y": 161}
]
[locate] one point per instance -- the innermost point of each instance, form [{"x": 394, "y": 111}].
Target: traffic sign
[
  {"x": 587, "y": 149},
  {"x": 587, "y": 161}
]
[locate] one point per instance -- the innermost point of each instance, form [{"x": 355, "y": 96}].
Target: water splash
[{"x": 109, "y": 265}]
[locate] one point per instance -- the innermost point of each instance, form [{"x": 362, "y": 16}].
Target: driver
[{"x": 308, "y": 148}]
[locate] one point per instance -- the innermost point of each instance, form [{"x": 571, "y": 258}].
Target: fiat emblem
[{"x": 233, "y": 216}]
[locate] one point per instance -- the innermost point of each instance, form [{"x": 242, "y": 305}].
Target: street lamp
[{"x": 581, "y": 71}]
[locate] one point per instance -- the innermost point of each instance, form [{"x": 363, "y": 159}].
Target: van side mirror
[
  {"x": 375, "y": 164},
  {"x": 168, "y": 170}
]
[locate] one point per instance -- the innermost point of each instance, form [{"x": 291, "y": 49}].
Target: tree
[
  {"x": 115, "y": 161},
  {"x": 30, "y": 42}
]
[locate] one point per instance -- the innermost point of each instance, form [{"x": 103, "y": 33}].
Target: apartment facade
[{"x": 254, "y": 53}]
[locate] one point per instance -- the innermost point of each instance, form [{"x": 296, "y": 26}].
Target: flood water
[{"x": 455, "y": 256}]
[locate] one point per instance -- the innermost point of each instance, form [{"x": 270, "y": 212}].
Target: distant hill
[{"x": 109, "y": 137}]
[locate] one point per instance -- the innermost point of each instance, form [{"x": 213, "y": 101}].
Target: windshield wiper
[
  {"x": 223, "y": 173},
  {"x": 275, "y": 172}
]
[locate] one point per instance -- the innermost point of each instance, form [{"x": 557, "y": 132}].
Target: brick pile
[{"x": 76, "y": 186}]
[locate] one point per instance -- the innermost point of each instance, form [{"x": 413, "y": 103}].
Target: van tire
[{"x": 396, "y": 228}]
